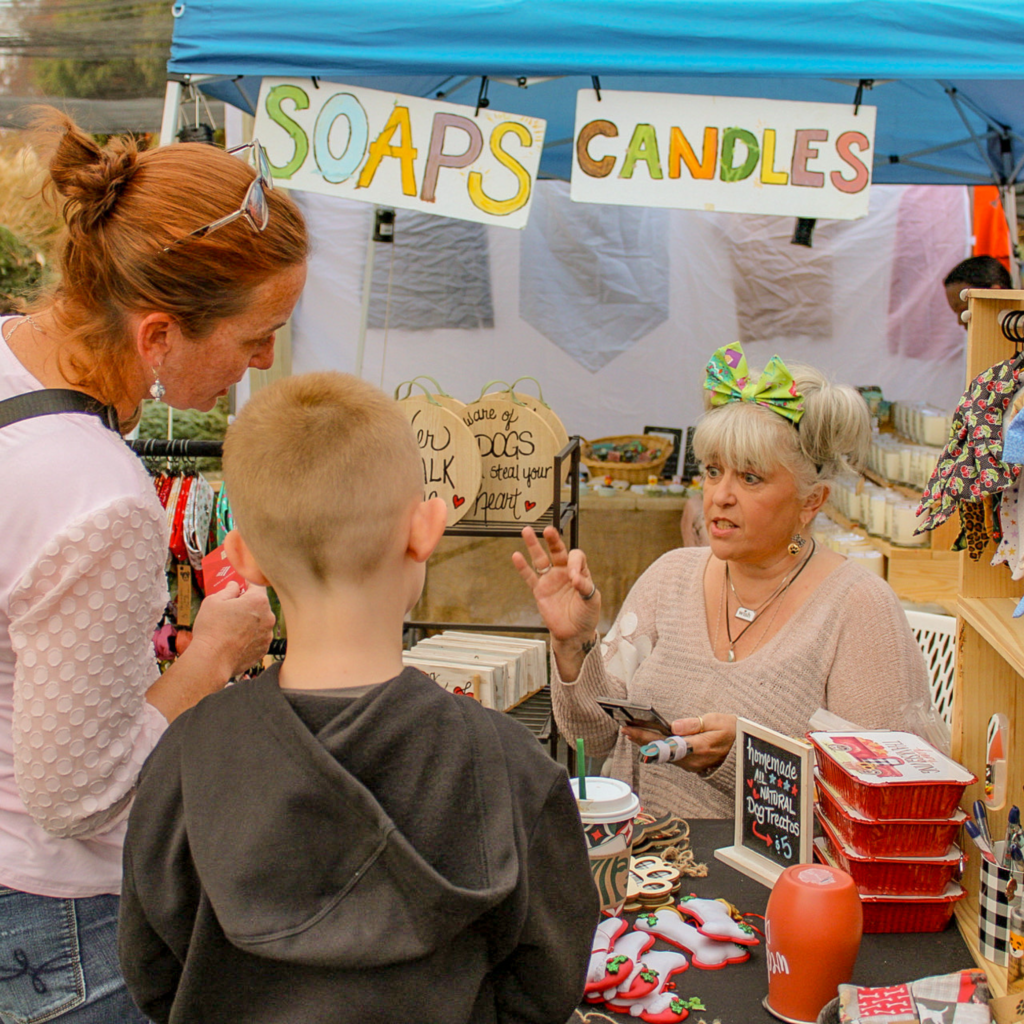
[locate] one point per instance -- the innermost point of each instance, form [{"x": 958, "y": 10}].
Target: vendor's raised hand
[
  {"x": 567, "y": 597},
  {"x": 709, "y": 736}
]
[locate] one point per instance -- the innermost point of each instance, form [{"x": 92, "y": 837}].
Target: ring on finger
[
  {"x": 700, "y": 723},
  {"x": 540, "y": 572},
  {"x": 593, "y": 591}
]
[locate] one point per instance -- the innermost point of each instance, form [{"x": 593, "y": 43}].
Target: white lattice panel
[{"x": 937, "y": 636}]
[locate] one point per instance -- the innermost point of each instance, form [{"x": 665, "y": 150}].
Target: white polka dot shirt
[{"x": 81, "y": 589}]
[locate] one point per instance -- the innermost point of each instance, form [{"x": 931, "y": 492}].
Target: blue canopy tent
[{"x": 946, "y": 76}]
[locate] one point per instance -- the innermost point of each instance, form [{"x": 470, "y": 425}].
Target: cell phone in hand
[{"x": 627, "y": 712}]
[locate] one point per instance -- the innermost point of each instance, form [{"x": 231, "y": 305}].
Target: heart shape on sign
[
  {"x": 531, "y": 505},
  {"x": 457, "y": 501}
]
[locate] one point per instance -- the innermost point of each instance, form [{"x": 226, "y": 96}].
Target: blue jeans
[{"x": 58, "y": 961}]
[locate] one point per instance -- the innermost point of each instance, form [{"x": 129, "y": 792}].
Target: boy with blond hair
[{"x": 340, "y": 840}]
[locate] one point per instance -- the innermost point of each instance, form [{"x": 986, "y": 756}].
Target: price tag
[{"x": 184, "y": 594}]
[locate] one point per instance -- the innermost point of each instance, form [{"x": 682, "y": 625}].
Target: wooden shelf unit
[
  {"x": 926, "y": 575},
  {"x": 990, "y": 658}
]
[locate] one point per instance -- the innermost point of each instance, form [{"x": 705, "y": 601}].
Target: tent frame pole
[
  {"x": 364, "y": 311},
  {"x": 1009, "y": 197},
  {"x": 172, "y": 112}
]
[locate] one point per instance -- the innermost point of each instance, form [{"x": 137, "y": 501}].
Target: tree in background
[
  {"x": 88, "y": 49},
  {"x": 28, "y": 227}
]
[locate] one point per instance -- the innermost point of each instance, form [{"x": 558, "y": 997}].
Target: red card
[{"x": 218, "y": 572}]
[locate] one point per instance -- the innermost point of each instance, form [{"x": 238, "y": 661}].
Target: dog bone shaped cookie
[
  {"x": 598, "y": 976},
  {"x": 708, "y": 954},
  {"x": 714, "y": 920},
  {"x": 655, "y": 1008},
  {"x": 656, "y": 968},
  {"x": 622, "y": 961}
]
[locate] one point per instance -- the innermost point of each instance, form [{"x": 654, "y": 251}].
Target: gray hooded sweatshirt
[{"x": 404, "y": 856}]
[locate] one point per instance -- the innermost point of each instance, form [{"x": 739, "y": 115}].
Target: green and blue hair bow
[{"x": 728, "y": 380}]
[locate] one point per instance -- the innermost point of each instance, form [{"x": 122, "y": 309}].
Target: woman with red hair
[{"x": 176, "y": 268}]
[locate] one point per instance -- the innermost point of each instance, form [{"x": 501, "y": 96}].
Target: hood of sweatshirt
[{"x": 302, "y": 861}]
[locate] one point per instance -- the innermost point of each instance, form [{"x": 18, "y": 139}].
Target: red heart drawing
[
  {"x": 530, "y": 505},
  {"x": 457, "y": 501}
]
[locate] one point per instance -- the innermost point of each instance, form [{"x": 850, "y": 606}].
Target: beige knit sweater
[{"x": 848, "y": 648}]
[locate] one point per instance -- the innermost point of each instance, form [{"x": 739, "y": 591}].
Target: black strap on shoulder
[{"x": 50, "y": 401}]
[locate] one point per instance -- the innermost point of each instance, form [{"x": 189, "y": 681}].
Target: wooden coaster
[
  {"x": 449, "y": 454},
  {"x": 518, "y": 449}
]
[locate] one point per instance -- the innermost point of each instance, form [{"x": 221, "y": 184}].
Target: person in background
[
  {"x": 340, "y": 840},
  {"x": 977, "y": 272},
  {"x": 763, "y": 623},
  {"x": 177, "y": 267}
]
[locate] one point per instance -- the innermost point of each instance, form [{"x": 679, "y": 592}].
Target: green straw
[{"x": 581, "y": 768}]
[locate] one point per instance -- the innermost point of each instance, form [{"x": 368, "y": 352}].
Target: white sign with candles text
[
  {"x": 393, "y": 150},
  {"x": 723, "y": 153}
]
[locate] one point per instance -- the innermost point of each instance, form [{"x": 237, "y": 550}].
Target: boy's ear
[
  {"x": 427, "y": 527},
  {"x": 243, "y": 560}
]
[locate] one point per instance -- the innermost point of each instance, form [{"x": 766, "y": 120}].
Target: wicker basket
[{"x": 631, "y": 472}]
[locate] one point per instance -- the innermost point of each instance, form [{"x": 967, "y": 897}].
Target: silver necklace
[
  {"x": 781, "y": 589},
  {"x": 749, "y": 614}
]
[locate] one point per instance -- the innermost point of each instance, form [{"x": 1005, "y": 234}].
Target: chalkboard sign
[
  {"x": 671, "y": 467},
  {"x": 691, "y": 467},
  {"x": 774, "y": 825}
]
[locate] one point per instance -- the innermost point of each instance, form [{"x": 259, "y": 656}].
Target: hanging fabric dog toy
[
  {"x": 728, "y": 380},
  {"x": 971, "y": 466}
]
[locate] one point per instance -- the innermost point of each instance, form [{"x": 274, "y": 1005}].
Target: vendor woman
[{"x": 763, "y": 623}]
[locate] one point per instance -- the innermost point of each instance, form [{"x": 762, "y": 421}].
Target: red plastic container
[
  {"x": 890, "y": 775},
  {"x": 891, "y": 876},
  {"x": 903, "y": 913},
  {"x": 890, "y": 838}
]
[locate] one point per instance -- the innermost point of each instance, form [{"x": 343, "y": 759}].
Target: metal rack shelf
[{"x": 535, "y": 712}]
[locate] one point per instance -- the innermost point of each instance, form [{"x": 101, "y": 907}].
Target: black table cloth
[{"x": 733, "y": 994}]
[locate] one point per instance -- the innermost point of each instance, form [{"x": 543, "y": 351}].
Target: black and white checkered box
[{"x": 994, "y": 911}]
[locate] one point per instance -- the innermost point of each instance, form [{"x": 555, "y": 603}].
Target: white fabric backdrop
[{"x": 865, "y": 304}]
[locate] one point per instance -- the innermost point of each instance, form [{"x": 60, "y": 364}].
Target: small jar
[
  {"x": 865, "y": 505},
  {"x": 891, "y": 471},
  {"x": 935, "y": 429},
  {"x": 904, "y": 522},
  {"x": 917, "y": 424},
  {"x": 871, "y": 560},
  {"x": 876, "y": 513},
  {"x": 906, "y": 455}
]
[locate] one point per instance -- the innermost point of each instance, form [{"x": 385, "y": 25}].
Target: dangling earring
[
  {"x": 156, "y": 389},
  {"x": 796, "y": 544}
]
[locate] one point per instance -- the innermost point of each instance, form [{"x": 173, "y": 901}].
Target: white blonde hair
[{"x": 833, "y": 434}]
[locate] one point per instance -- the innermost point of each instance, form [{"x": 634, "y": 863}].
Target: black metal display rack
[
  {"x": 535, "y": 711},
  {"x": 565, "y": 515}
]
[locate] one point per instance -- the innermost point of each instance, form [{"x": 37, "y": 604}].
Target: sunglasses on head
[{"x": 254, "y": 209}]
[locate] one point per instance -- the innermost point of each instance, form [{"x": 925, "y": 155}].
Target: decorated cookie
[
  {"x": 656, "y": 968},
  {"x": 599, "y": 972},
  {"x": 708, "y": 954},
  {"x": 658, "y": 1007},
  {"x": 621, "y": 961},
  {"x": 714, "y": 920}
]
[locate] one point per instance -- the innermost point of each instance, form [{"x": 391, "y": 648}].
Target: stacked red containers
[{"x": 887, "y": 806}]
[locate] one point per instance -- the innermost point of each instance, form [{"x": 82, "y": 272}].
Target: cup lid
[{"x": 604, "y": 796}]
